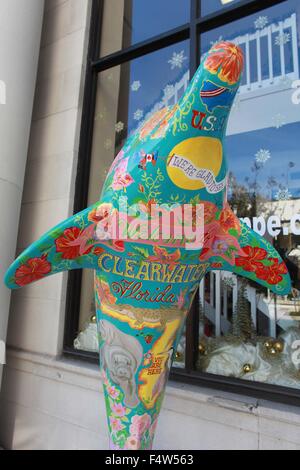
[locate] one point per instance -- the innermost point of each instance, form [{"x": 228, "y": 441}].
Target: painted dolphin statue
[{"x": 173, "y": 172}]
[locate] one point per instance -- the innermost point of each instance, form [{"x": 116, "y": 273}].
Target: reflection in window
[
  {"x": 211, "y": 6},
  {"x": 127, "y": 22},
  {"x": 126, "y": 96},
  {"x": 245, "y": 331}
]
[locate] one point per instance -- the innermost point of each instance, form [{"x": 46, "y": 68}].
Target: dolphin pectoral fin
[
  {"x": 257, "y": 260},
  {"x": 68, "y": 245}
]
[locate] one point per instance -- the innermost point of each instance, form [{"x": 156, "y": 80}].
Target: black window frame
[{"x": 94, "y": 66}]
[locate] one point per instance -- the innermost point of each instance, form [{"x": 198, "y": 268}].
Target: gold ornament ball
[
  {"x": 272, "y": 351},
  {"x": 268, "y": 344},
  {"x": 278, "y": 345},
  {"x": 201, "y": 348},
  {"x": 178, "y": 355},
  {"x": 247, "y": 368},
  {"x": 93, "y": 319}
]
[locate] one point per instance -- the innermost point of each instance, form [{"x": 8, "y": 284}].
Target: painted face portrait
[{"x": 120, "y": 357}]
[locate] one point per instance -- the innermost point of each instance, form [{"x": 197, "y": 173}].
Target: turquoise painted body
[{"x": 144, "y": 287}]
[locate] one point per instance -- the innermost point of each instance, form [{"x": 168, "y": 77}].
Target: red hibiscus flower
[
  {"x": 210, "y": 232},
  {"x": 163, "y": 256},
  {"x": 33, "y": 270},
  {"x": 273, "y": 273},
  {"x": 67, "y": 243},
  {"x": 225, "y": 59},
  {"x": 228, "y": 220},
  {"x": 210, "y": 210},
  {"x": 252, "y": 259}
]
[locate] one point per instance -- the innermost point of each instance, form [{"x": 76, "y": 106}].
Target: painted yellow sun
[{"x": 202, "y": 153}]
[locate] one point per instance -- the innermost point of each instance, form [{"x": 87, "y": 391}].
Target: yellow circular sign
[{"x": 197, "y": 153}]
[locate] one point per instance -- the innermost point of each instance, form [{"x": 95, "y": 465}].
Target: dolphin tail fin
[
  {"x": 249, "y": 255},
  {"x": 69, "y": 245}
]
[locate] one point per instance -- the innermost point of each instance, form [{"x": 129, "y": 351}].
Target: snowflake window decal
[
  {"x": 262, "y": 156},
  {"x": 279, "y": 120},
  {"x": 101, "y": 115},
  {"x": 136, "y": 85},
  {"x": 138, "y": 114},
  {"x": 261, "y": 22},
  {"x": 119, "y": 126},
  {"x": 283, "y": 194},
  {"x": 177, "y": 60},
  {"x": 107, "y": 144},
  {"x": 282, "y": 39}
]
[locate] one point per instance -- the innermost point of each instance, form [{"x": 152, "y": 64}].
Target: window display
[{"x": 260, "y": 340}]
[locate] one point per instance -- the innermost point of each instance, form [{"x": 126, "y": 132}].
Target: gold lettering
[
  {"x": 101, "y": 261},
  {"x": 151, "y": 271},
  {"x": 166, "y": 274},
  {"x": 179, "y": 274},
  {"x": 116, "y": 268},
  {"x": 129, "y": 268},
  {"x": 156, "y": 272},
  {"x": 143, "y": 271}
]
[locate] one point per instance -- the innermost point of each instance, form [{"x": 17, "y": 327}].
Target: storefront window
[
  {"x": 245, "y": 331},
  {"x": 127, "y": 22},
  {"x": 236, "y": 329}
]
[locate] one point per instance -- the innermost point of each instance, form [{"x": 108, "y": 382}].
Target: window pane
[
  {"x": 211, "y": 6},
  {"x": 245, "y": 331},
  {"x": 126, "y": 96},
  {"x": 127, "y": 22},
  {"x": 179, "y": 359}
]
